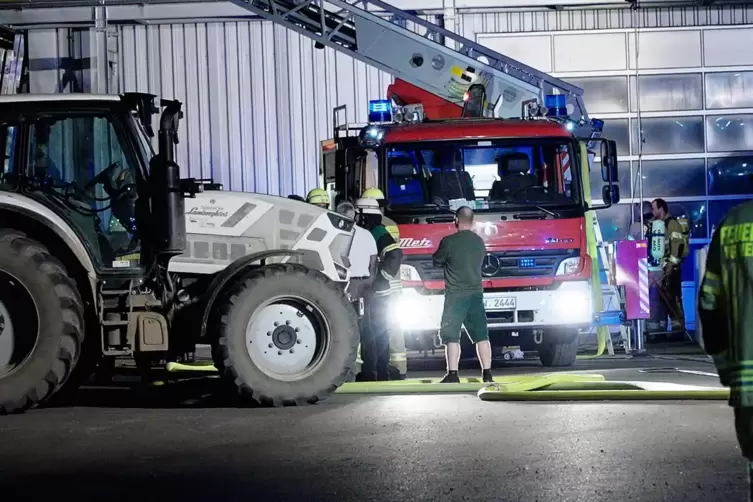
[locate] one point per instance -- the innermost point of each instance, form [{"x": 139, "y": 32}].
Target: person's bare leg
[
  {"x": 452, "y": 356},
  {"x": 484, "y": 353}
]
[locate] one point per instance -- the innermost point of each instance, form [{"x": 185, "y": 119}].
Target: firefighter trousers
[
  {"x": 382, "y": 350},
  {"x": 671, "y": 299},
  {"x": 744, "y": 430}
]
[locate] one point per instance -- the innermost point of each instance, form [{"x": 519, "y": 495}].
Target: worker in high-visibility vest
[
  {"x": 318, "y": 197},
  {"x": 725, "y": 311},
  {"x": 382, "y": 343},
  {"x": 391, "y": 226}
]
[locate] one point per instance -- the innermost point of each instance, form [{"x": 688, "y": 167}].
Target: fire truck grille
[{"x": 501, "y": 264}]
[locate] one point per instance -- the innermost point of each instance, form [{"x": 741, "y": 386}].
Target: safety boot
[
  {"x": 451, "y": 377},
  {"x": 486, "y": 376}
]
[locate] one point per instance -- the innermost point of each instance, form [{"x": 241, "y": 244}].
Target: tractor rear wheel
[
  {"x": 286, "y": 335},
  {"x": 41, "y": 323}
]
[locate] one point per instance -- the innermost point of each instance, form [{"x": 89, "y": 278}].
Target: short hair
[
  {"x": 465, "y": 215},
  {"x": 661, "y": 204},
  {"x": 346, "y": 209}
]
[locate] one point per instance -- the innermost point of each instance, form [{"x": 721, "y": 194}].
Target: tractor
[{"x": 107, "y": 253}]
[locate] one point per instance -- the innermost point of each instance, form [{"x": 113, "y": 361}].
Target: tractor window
[
  {"x": 82, "y": 158},
  {"x": 7, "y": 147}
]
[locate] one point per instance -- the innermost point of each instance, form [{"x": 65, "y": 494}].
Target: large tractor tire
[
  {"x": 41, "y": 323},
  {"x": 286, "y": 336},
  {"x": 560, "y": 350}
]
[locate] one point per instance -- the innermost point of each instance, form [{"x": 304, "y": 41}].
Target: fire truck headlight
[
  {"x": 409, "y": 273},
  {"x": 407, "y": 308},
  {"x": 569, "y": 266},
  {"x": 573, "y": 307}
]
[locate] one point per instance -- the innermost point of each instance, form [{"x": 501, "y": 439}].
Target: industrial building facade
[{"x": 259, "y": 98}]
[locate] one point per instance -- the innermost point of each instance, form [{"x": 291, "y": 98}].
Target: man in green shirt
[
  {"x": 725, "y": 312},
  {"x": 461, "y": 255}
]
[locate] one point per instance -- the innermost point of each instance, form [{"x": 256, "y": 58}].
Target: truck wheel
[
  {"x": 558, "y": 353},
  {"x": 41, "y": 323},
  {"x": 287, "y": 335}
]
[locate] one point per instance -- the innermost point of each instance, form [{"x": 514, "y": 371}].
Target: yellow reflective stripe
[
  {"x": 674, "y": 260},
  {"x": 358, "y": 355},
  {"x": 710, "y": 289},
  {"x": 675, "y": 235},
  {"x": 389, "y": 248},
  {"x": 711, "y": 276},
  {"x": 398, "y": 357}
]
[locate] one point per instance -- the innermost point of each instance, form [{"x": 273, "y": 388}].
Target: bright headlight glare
[
  {"x": 406, "y": 308},
  {"x": 409, "y": 273},
  {"x": 569, "y": 266},
  {"x": 573, "y": 307}
]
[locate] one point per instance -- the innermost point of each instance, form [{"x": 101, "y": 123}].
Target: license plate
[{"x": 502, "y": 303}]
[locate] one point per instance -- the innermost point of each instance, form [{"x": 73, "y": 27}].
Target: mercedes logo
[{"x": 490, "y": 265}]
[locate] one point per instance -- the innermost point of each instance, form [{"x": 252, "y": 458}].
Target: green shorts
[{"x": 463, "y": 310}]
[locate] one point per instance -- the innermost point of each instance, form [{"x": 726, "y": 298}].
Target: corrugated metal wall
[
  {"x": 258, "y": 98},
  {"x": 601, "y": 19}
]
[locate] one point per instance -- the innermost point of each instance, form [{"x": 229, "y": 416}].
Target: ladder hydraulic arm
[{"x": 426, "y": 59}]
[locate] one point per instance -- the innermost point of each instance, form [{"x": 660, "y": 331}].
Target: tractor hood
[{"x": 566, "y": 233}]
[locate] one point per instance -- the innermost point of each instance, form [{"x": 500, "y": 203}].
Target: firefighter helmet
[
  {"x": 318, "y": 196},
  {"x": 373, "y": 193},
  {"x": 368, "y": 206}
]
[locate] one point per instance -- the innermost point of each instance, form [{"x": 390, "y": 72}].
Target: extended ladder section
[{"x": 427, "y": 56}]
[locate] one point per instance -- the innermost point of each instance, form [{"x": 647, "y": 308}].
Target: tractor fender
[
  {"x": 34, "y": 210},
  {"x": 234, "y": 270}
]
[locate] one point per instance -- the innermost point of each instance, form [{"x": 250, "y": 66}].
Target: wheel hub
[{"x": 284, "y": 337}]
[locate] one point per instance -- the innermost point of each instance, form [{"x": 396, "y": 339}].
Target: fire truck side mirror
[
  {"x": 609, "y": 171},
  {"x": 610, "y": 194}
]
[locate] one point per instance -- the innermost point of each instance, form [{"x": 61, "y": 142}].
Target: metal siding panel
[
  {"x": 258, "y": 98},
  {"x": 600, "y": 19}
]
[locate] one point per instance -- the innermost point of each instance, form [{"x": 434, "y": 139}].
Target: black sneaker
[
  {"x": 487, "y": 377},
  {"x": 450, "y": 378}
]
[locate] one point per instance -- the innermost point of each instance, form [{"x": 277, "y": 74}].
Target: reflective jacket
[
  {"x": 387, "y": 280},
  {"x": 677, "y": 243},
  {"x": 725, "y": 303}
]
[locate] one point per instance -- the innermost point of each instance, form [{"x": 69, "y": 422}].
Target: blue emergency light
[
  {"x": 380, "y": 110},
  {"x": 597, "y": 125},
  {"x": 556, "y": 105},
  {"x": 527, "y": 263}
]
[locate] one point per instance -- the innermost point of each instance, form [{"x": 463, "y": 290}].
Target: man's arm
[
  {"x": 441, "y": 254},
  {"x": 390, "y": 254},
  {"x": 711, "y": 307}
]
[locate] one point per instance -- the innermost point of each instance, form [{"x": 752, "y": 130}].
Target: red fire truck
[{"x": 525, "y": 179}]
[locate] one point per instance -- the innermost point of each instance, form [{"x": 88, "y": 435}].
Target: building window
[
  {"x": 729, "y": 90},
  {"x": 614, "y": 221},
  {"x": 597, "y": 183},
  {"x": 672, "y": 178},
  {"x": 663, "y": 93},
  {"x": 718, "y": 209},
  {"x": 731, "y": 176},
  {"x": 603, "y": 94},
  {"x": 669, "y": 135},
  {"x": 729, "y": 133},
  {"x": 617, "y": 130}
]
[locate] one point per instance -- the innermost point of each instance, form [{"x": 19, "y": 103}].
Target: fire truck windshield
[{"x": 490, "y": 173}]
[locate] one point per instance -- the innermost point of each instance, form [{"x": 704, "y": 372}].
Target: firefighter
[
  {"x": 382, "y": 343},
  {"x": 318, "y": 197},
  {"x": 461, "y": 255},
  {"x": 634, "y": 233},
  {"x": 677, "y": 248},
  {"x": 725, "y": 310},
  {"x": 391, "y": 226}
]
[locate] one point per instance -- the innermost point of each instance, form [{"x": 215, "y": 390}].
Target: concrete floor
[{"x": 174, "y": 445}]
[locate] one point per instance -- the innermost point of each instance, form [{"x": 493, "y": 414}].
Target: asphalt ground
[{"x": 183, "y": 442}]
